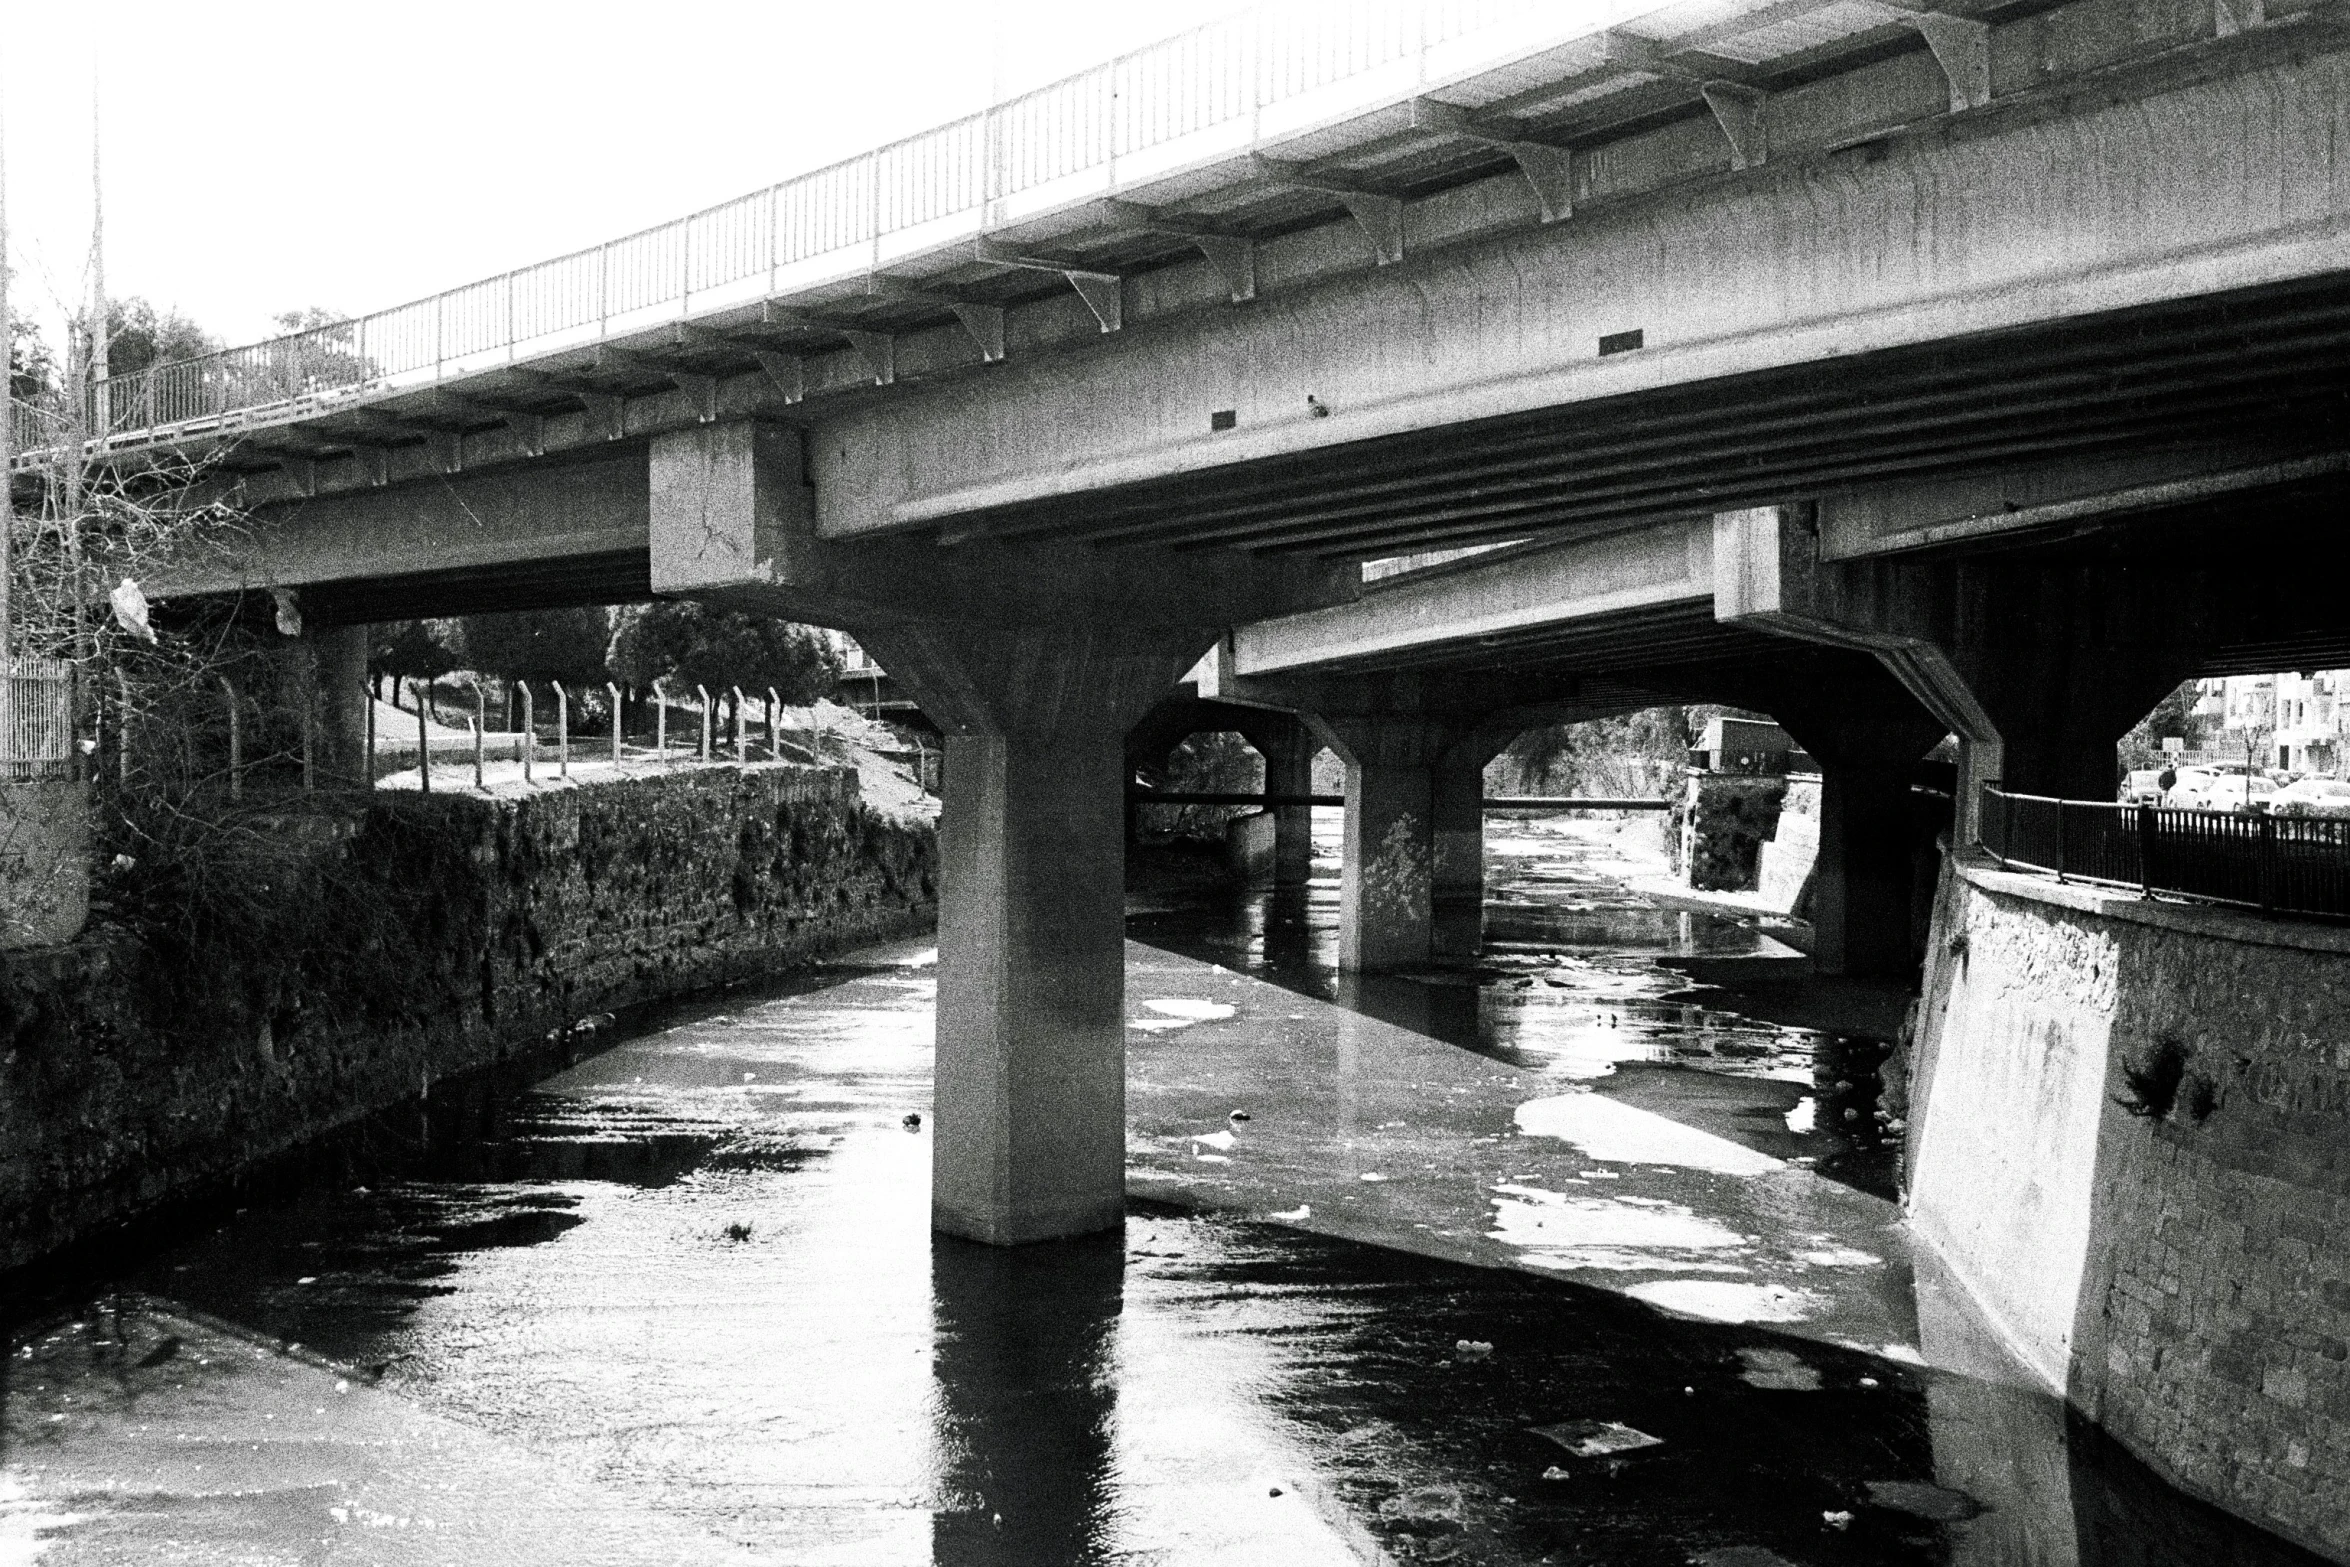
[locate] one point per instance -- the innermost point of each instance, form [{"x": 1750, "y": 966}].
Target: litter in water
[{"x": 1596, "y": 1438}]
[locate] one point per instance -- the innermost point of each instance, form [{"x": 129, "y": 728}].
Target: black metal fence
[{"x": 2282, "y": 864}]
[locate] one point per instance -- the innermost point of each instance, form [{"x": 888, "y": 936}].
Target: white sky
[{"x": 263, "y": 156}]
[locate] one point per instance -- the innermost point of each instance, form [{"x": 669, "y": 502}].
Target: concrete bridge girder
[{"x": 1804, "y": 262}]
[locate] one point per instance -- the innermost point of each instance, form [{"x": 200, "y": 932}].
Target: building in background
[{"x": 2292, "y": 721}]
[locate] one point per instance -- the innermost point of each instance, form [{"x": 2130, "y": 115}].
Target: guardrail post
[
  {"x": 526, "y": 744},
  {"x": 660, "y": 725},
  {"x": 740, "y": 755},
  {"x": 562, "y": 730},
  {"x": 774, "y": 719},
  {"x": 704, "y": 692},
  {"x": 368, "y": 768},
  {"x": 2146, "y": 825},
  {"x": 2268, "y": 863},
  {"x": 481, "y": 723},
  {"x": 2060, "y": 841},
  {"x": 612, "y": 687},
  {"x": 424, "y": 738}
]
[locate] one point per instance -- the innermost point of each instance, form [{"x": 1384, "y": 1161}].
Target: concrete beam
[
  {"x": 504, "y": 517},
  {"x": 1924, "y": 239},
  {"x": 1488, "y": 596},
  {"x": 2026, "y": 499},
  {"x": 732, "y": 518}
]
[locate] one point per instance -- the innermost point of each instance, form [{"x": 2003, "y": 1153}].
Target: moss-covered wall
[{"x": 378, "y": 948}]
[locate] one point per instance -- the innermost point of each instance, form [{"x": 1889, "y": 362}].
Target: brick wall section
[
  {"x": 2185, "y": 1276},
  {"x": 461, "y": 932}
]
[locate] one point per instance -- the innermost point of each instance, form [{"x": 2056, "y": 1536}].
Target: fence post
[
  {"x": 526, "y": 745},
  {"x": 612, "y": 687},
  {"x": 481, "y": 722},
  {"x": 740, "y": 755},
  {"x": 424, "y": 738},
  {"x": 705, "y": 694},
  {"x": 2146, "y": 826},
  {"x": 236, "y": 743},
  {"x": 2268, "y": 863},
  {"x": 562, "y": 730},
  {"x": 367, "y": 767},
  {"x": 2060, "y": 840}
]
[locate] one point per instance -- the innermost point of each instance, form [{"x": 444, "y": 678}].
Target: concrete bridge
[{"x": 1897, "y": 369}]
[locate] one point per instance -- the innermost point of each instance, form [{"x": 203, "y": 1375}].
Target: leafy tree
[
  {"x": 412, "y": 649},
  {"x": 545, "y": 644},
  {"x": 1629, "y": 754},
  {"x": 139, "y": 336},
  {"x": 2174, "y": 715},
  {"x": 692, "y": 644},
  {"x": 31, "y": 370}
]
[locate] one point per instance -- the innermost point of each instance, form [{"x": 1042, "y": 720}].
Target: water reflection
[{"x": 1027, "y": 1397}]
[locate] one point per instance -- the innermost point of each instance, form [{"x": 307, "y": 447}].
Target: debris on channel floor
[
  {"x": 1937, "y": 1504},
  {"x": 1596, "y": 1438},
  {"x": 1778, "y": 1370},
  {"x": 1472, "y": 1349}
]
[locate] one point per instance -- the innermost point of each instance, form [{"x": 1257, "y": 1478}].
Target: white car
[
  {"x": 2312, "y": 797},
  {"x": 2235, "y": 792}
]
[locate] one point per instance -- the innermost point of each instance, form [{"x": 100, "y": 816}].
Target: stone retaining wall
[
  {"x": 1720, "y": 825},
  {"x": 44, "y": 862},
  {"x": 417, "y": 938},
  {"x": 2130, "y": 1140}
]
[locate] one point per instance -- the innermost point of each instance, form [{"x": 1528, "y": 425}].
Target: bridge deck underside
[{"x": 2266, "y": 367}]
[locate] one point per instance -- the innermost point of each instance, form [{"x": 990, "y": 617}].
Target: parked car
[
  {"x": 2235, "y": 792},
  {"x": 2312, "y": 797},
  {"x": 2142, "y": 786}
]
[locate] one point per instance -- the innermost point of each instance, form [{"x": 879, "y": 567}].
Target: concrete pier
[{"x": 1031, "y": 1106}]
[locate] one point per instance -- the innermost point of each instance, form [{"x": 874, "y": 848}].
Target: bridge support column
[
  {"x": 1289, "y": 769},
  {"x": 1863, "y": 890},
  {"x": 338, "y": 703},
  {"x": 1458, "y": 789},
  {"x": 1030, "y": 1118},
  {"x": 1387, "y": 890}
]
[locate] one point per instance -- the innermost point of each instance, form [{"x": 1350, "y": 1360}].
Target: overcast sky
[{"x": 263, "y": 156}]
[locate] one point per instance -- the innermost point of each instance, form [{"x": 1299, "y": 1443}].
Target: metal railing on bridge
[
  {"x": 36, "y": 720},
  {"x": 2279, "y": 864},
  {"x": 1199, "y": 96}
]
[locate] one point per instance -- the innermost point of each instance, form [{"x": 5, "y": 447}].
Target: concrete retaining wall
[
  {"x": 415, "y": 939},
  {"x": 2175, "y": 1258}
]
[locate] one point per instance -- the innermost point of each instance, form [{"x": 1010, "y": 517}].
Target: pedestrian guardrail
[
  {"x": 2280, "y": 864},
  {"x": 36, "y": 720},
  {"x": 1223, "y": 88},
  {"x": 1528, "y": 802}
]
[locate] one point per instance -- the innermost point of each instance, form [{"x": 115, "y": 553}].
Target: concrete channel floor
[{"x": 679, "y": 1303}]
